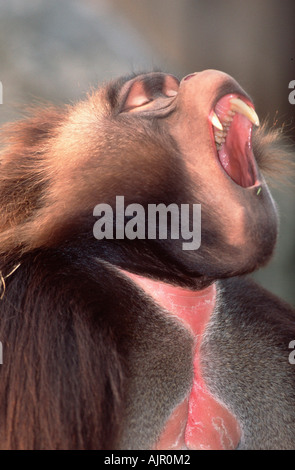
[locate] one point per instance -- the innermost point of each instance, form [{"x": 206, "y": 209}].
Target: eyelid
[
  {"x": 170, "y": 93},
  {"x": 138, "y": 95},
  {"x": 138, "y": 101}
]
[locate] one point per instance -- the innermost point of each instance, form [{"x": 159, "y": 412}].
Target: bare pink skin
[{"x": 200, "y": 421}]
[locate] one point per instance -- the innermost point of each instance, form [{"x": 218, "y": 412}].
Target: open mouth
[{"x": 232, "y": 120}]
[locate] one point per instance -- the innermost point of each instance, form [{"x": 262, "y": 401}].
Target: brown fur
[
  {"x": 274, "y": 152},
  {"x": 82, "y": 343}
]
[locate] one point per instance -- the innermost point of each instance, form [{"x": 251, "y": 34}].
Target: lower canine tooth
[
  {"x": 241, "y": 107},
  {"x": 215, "y": 121}
]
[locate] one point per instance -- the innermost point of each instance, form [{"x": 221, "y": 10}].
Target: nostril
[{"x": 188, "y": 77}]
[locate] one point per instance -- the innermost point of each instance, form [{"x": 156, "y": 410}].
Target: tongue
[{"x": 235, "y": 154}]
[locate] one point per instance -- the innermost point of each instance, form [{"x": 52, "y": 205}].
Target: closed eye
[{"x": 143, "y": 93}]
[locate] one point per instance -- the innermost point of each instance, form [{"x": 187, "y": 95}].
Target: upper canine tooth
[
  {"x": 241, "y": 107},
  {"x": 215, "y": 121}
]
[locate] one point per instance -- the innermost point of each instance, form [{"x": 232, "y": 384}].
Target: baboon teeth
[
  {"x": 241, "y": 107},
  {"x": 215, "y": 121},
  {"x": 222, "y": 118}
]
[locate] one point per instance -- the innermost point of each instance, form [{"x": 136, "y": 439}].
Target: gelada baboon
[{"x": 121, "y": 342}]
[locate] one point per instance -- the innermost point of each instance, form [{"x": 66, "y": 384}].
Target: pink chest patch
[{"x": 200, "y": 421}]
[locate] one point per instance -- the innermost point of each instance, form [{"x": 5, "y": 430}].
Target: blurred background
[{"x": 56, "y": 49}]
